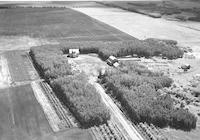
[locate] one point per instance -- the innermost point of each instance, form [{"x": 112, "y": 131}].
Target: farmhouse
[{"x": 73, "y": 53}]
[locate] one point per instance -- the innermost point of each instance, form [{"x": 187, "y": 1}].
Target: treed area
[
  {"x": 134, "y": 86},
  {"x": 147, "y": 48},
  {"x": 74, "y": 90},
  {"x": 137, "y": 89}
]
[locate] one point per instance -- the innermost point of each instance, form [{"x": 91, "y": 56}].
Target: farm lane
[{"x": 132, "y": 132}]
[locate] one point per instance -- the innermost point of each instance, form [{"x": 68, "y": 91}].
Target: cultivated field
[
  {"x": 21, "y": 115},
  {"x": 52, "y": 24},
  {"x": 23, "y": 118},
  {"x": 20, "y": 66}
]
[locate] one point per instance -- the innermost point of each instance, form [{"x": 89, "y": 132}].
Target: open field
[
  {"x": 20, "y": 67},
  {"x": 50, "y": 24},
  {"x": 143, "y": 27},
  {"x": 21, "y": 115}
]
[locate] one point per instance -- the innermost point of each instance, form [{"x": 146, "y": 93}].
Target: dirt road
[{"x": 116, "y": 112}]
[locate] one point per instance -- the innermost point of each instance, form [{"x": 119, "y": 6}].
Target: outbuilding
[
  {"x": 112, "y": 61},
  {"x": 74, "y": 53}
]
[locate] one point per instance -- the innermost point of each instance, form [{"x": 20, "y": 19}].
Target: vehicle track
[{"x": 117, "y": 113}]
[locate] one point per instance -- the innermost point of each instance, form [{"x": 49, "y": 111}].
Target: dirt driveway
[{"x": 91, "y": 64}]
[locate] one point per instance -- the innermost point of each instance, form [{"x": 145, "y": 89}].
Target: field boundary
[
  {"x": 5, "y": 73},
  {"x": 49, "y": 112}
]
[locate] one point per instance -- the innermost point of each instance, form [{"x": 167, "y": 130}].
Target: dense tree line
[
  {"x": 73, "y": 90},
  {"x": 143, "y": 48},
  {"x": 137, "y": 91},
  {"x": 82, "y": 99}
]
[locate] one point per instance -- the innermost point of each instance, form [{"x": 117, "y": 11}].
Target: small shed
[
  {"x": 112, "y": 61},
  {"x": 74, "y": 53}
]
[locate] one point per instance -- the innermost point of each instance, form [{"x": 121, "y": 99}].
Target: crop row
[
  {"x": 63, "y": 113},
  {"x": 109, "y": 131},
  {"x": 150, "y": 132}
]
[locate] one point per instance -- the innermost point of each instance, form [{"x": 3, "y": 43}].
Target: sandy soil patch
[
  {"x": 5, "y": 78},
  {"x": 21, "y": 42}
]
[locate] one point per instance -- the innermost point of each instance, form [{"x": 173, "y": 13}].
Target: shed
[
  {"x": 111, "y": 60},
  {"x": 73, "y": 53}
]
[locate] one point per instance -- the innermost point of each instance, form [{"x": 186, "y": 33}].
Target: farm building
[
  {"x": 74, "y": 53},
  {"x": 112, "y": 61}
]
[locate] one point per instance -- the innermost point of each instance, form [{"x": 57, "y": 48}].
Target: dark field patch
[
  {"x": 55, "y": 23},
  {"x": 23, "y": 119}
]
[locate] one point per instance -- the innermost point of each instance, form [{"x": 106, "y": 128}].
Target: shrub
[{"x": 183, "y": 119}]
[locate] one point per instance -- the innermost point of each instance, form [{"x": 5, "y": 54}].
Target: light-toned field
[{"x": 142, "y": 27}]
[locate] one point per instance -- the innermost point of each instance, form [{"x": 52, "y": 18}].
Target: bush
[{"x": 183, "y": 119}]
